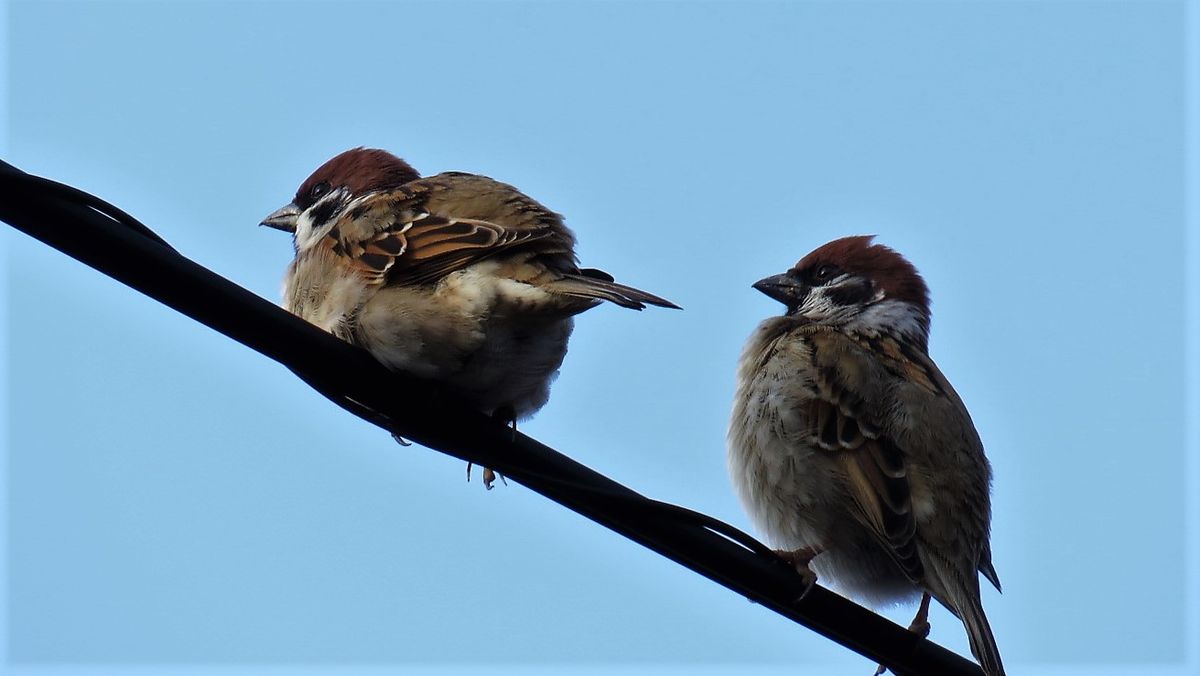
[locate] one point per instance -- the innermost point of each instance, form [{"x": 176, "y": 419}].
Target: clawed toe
[
  {"x": 489, "y": 477},
  {"x": 800, "y": 559},
  {"x": 920, "y": 625}
]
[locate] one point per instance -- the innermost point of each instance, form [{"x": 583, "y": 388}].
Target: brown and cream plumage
[
  {"x": 851, "y": 450},
  {"x": 455, "y": 277}
]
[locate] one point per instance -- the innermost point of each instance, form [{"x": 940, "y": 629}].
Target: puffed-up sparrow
[
  {"x": 850, "y": 450},
  {"x": 455, "y": 278}
]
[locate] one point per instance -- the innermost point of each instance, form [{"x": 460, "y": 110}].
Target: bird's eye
[
  {"x": 825, "y": 273},
  {"x": 318, "y": 190}
]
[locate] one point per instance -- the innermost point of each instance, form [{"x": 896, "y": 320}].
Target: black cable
[
  {"x": 106, "y": 238},
  {"x": 75, "y": 194}
]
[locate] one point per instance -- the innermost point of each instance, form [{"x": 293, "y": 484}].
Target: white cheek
[
  {"x": 817, "y": 305},
  {"x": 305, "y": 234},
  {"x": 309, "y": 233},
  {"x": 893, "y": 315}
]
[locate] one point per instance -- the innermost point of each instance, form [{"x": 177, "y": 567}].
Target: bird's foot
[
  {"x": 508, "y": 416},
  {"x": 920, "y": 625},
  {"x": 800, "y": 560},
  {"x": 401, "y": 440},
  {"x": 489, "y": 477}
]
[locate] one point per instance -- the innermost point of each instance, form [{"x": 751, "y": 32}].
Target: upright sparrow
[
  {"x": 849, "y": 448},
  {"x": 456, "y": 277}
]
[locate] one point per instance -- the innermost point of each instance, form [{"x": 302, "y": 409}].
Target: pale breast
[
  {"x": 781, "y": 480},
  {"x": 473, "y": 330},
  {"x": 318, "y": 290}
]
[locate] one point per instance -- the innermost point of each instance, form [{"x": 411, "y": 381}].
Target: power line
[{"x": 113, "y": 242}]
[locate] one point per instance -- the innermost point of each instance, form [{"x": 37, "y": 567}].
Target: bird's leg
[
  {"x": 489, "y": 476},
  {"x": 919, "y": 626},
  {"x": 401, "y": 440},
  {"x": 508, "y": 416},
  {"x": 799, "y": 559}
]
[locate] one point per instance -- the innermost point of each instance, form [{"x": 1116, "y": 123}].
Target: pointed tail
[
  {"x": 591, "y": 283},
  {"x": 983, "y": 643}
]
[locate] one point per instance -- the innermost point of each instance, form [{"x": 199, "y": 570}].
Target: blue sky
[{"x": 175, "y": 499}]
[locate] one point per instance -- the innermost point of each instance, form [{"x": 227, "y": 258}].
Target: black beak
[
  {"x": 283, "y": 219},
  {"x": 784, "y": 288}
]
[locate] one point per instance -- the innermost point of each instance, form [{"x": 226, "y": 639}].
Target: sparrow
[
  {"x": 456, "y": 278},
  {"x": 849, "y": 449}
]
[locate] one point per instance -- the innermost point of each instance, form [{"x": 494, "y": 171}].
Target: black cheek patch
[
  {"x": 796, "y": 302},
  {"x": 323, "y": 212},
  {"x": 854, "y": 293}
]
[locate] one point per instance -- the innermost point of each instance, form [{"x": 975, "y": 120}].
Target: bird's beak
[
  {"x": 784, "y": 288},
  {"x": 283, "y": 219}
]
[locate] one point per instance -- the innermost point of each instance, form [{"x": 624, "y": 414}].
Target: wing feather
[
  {"x": 426, "y": 229},
  {"x": 873, "y": 464}
]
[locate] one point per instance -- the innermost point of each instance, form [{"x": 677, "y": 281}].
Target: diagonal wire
[{"x": 108, "y": 239}]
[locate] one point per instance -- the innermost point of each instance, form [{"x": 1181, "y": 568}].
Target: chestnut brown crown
[
  {"x": 888, "y": 270},
  {"x": 359, "y": 171}
]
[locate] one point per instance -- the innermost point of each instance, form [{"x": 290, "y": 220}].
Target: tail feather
[
  {"x": 989, "y": 571},
  {"x": 986, "y": 567},
  {"x": 979, "y": 632},
  {"x": 603, "y": 288}
]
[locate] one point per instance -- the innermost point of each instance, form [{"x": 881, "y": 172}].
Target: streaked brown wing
[
  {"x": 874, "y": 465},
  {"x": 429, "y": 228}
]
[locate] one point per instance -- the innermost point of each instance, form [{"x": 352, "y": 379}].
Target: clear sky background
[{"x": 175, "y": 499}]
